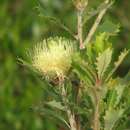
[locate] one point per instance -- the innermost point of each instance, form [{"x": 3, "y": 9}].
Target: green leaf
[
  {"x": 79, "y": 70},
  {"x": 112, "y": 98},
  {"x": 103, "y": 61},
  {"x": 121, "y": 57},
  {"x": 55, "y": 20},
  {"x": 56, "y": 104},
  {"x": 26, "y": 64},
  {"x": 119, "y": 89},
  {"x": 83, "y": 70},
  {"x": 127, "y": 78},
  {"x": 52, "y": 114},
  {"x": 111, "y": 117},
  {"x": 108, "y": 27},
  {"x": 117, "y": 63},
  {"x": 101, "y": 42}
]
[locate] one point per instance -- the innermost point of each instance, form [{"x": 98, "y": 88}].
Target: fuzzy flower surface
[{"x": 52, "y": 57}]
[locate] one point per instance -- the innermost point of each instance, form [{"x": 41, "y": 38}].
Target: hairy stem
[
  {"x": 80, "y": 28},
  {"x": 96, "y": 24},
  {"x": 96, "y": 120},
  {"x": 70, "y": 114},
  {"x": 77, "y": 89}
]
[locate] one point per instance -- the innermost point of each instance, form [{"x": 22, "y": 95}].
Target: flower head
[{"x": 52, "y": 57}]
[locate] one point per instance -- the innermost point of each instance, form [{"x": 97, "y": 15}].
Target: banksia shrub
[{"x": 89, "y": 98}]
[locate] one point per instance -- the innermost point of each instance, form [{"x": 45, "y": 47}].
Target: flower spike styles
[{"x": 52, "y": 57}]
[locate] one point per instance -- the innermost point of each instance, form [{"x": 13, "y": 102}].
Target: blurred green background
[{"x": 20, "y": 28}]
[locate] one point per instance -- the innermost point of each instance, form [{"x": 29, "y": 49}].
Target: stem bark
[
  {"x": 96, "y": 24},
  {"x": 70, "y": 114},
  {"x": 80, "y": 28}
]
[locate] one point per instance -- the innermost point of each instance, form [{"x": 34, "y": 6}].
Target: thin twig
[
  {"x": 80, "y": 10},
  {"x": 96, "y": 121},
  {"x": 96, "y": 118},
  {"x": 60, "y": 24},
  {"x": 40, "y": 8},
  {"x": 70, "y": 114},
  {"x": 79, "y": 28},
  {"x": 95, "y": 12},
  {"x": 96, "y": 23}
]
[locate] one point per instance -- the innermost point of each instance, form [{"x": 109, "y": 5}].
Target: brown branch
[
  {"x": 97, "y": 22},
  {"x": 70, "y": 114},
  {"x": 80, "y": 29},
  {"x": 96, "y": 120},
  {"x": 80, "y": 6}
]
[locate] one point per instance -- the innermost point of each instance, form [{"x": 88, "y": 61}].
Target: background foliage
[{"x": 20, "y": 28}]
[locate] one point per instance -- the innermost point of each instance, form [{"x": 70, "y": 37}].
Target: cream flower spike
[{"x": 52, "y": 57}]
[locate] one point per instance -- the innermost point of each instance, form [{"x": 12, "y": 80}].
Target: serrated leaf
[
  {"x": 103, "y": 61},
  {"x": 121, "y": 57},
  {"x": 118, "y": 62},
  {"x": 108, "y": 27},
  {"x": 56, "y": 104},
  {"x": 52, "y": 114},
  {"x": 119, "y": 89},
  {"x": 101, "y": 42},
  {"x": 112, "y": 98},
  {"x": 111, "y": 117}
]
